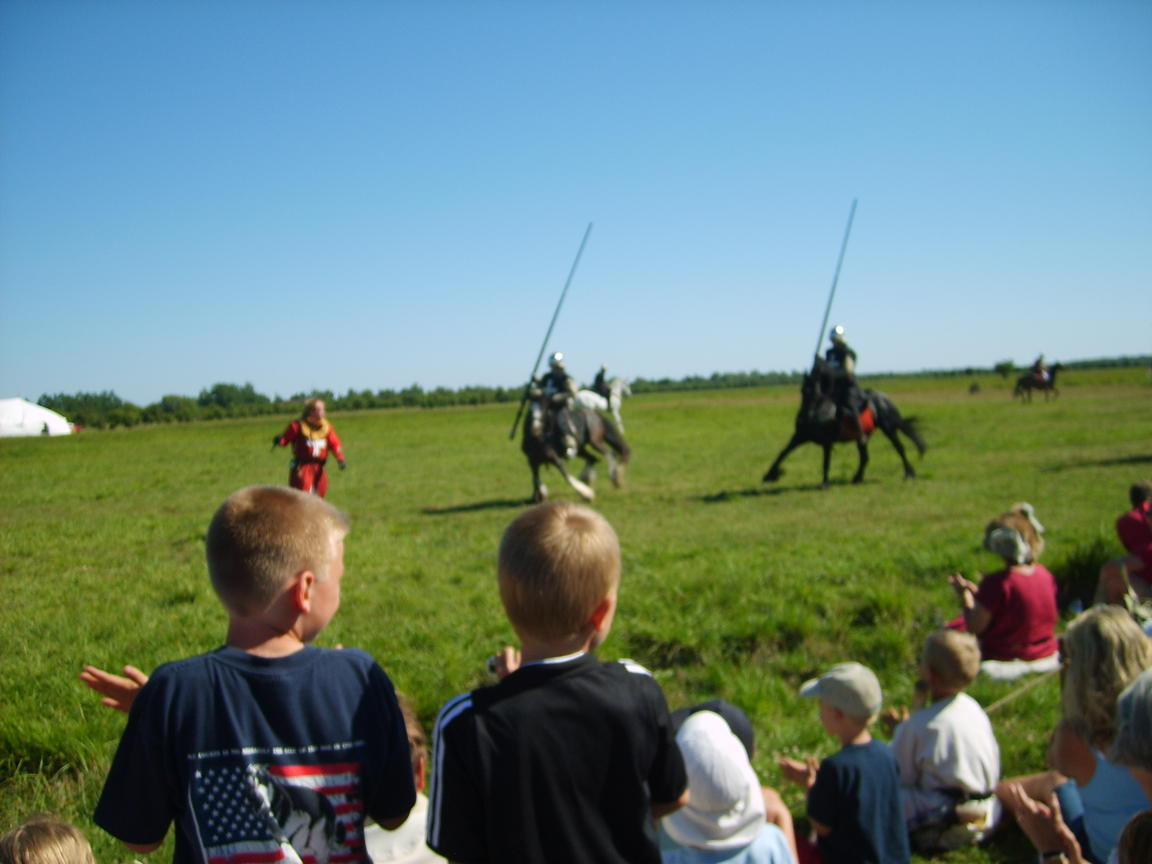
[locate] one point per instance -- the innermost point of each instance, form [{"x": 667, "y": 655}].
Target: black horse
[
  {"x": 543, "y": 444},
  {"x": 1025, "y": 384},
  {"x": 817, "y": 422}
]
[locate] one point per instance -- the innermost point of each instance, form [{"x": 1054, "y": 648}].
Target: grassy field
[{"x": 730, "y": 587}]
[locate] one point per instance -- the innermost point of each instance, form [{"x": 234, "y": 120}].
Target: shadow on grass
[
  {"x": 498, "y": 504},
  {"x": 756, "y": 492},
  {"x": 1100, "y": 463}
]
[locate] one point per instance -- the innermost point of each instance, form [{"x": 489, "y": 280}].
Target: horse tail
[
  {"x": 616, "y": 440},
  {"x": 910, "y": 426}
]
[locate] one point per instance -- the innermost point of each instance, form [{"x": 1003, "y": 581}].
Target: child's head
[
  {"x": 1132, "y": 746},
  {"x": 1140, "y": 493},
  {"x": 1104, "y": 650},
  {"x": 558, "y": 564},
  {"x": 1016, "y": 536},
  {"x": 850, "y": 688},
  {"x": 262, "y": 537},
  {"x": 952, "y": 658},
  {"x": 1135, "y": 846},
  {"x": 45, "y": 840},
  {"x": 725, "y": 809},
  {"x": 314, "y": 411}
]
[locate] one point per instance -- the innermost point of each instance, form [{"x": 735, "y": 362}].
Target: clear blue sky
[{"x": 344, "y": 194}]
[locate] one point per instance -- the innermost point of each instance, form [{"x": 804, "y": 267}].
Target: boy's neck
[
  {"x": 534, "y": 650},
  {"x": 855, "y": 736},
  {"x": 259, "y": 637},
  {"x": 939, "y": 694}
]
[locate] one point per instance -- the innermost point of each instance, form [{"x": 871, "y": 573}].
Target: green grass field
[{"x": 731, "y": 588}]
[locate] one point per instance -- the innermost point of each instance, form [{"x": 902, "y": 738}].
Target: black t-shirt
[
  {"x": 559, "y": 762},
  {"x": 251, "y": 755}
]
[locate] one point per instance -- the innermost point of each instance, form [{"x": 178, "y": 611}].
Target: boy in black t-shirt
[
  {"x": 854, "y": 795},
  {"x": 267, "y": 748},
  {"x": 566, "y": 759}
]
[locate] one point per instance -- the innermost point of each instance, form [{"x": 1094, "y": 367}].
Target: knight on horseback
[
  {"x": 840, "y": 374},
  {"x": 558, "y": 390},
  {"x": 1040, "y": 370}
]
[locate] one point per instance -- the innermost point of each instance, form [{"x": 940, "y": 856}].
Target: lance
[
  {"x": 835, "y": 277},
  {"x": 548, "y": 335}
]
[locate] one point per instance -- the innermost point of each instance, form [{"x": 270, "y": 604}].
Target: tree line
[{"x": 106, "y": 410}]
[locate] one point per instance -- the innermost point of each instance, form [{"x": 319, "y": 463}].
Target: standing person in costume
[
  {"x": 312, "y": 437},
  {"x": 841, "y": 366}
]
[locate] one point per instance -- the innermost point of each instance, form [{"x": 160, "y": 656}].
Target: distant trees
[{"x": 223, "y": 400}]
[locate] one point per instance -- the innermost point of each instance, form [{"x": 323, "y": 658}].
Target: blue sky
[{"x": 366, "y": 195}]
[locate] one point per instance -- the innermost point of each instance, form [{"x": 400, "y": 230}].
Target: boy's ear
[
  {"x": 603, "y": 608},
  {"x": 301, "y": 589}
]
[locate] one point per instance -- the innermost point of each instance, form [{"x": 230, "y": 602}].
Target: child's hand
[
  {"x": 118, "y": 691},
  {"x": 960, "y": 584},
  {"x": 803, "y": 774},
  {"x": 893, "y": 717},
  {"x": 505, "y": 663}
]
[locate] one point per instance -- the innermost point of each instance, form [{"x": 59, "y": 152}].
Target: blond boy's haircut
[
  {"x": 262, "y": 536},
  {"x": 45, "y": 840},
  {"x": 558, "y": 562},
  {"x": 953, "y": 657},
  {"x": 1104, "y": 651}
]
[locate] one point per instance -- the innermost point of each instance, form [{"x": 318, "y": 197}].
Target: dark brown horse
[
  {"x": 543, "y": 444},
  {"x": 1025, "y": 384},
  {"x": 817, "y": 422}
]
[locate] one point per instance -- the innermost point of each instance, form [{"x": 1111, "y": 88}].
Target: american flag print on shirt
[{"x": 251, "y": 812}]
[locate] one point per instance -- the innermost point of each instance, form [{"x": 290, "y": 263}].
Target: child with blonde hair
[
  {"x": 1104, "y": 651},
  {"x": 268, "y": 746},
  {"x": 947, "y": 752},
  {"x": 566, "y": 758},
  {"x": 45, "y": 839}
]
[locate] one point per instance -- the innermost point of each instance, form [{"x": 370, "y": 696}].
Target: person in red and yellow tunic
[{"x": 312, "y": 437}]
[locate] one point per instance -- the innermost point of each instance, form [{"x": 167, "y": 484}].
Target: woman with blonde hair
[{"x": 1103, "y": 651}]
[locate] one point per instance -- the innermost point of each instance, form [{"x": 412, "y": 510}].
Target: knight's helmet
[
  {"x": 556, "y": 361},
  {"x": 836, "y": 334}
]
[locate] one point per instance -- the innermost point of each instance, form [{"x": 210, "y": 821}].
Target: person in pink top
[
  {"x": 1013, "y": 611},
  {"x": 1134, "y": 570}
]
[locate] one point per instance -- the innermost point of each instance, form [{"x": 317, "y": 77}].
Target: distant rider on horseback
[
  {"x": 840, "y": 362},
  {"x": 559, "y": 389},
  {"x": 1040, "y": 370}
]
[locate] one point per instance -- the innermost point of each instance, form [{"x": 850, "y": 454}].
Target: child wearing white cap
[
  {"x": 854, "y": 794},
  {"x": 724, "y": 821}
]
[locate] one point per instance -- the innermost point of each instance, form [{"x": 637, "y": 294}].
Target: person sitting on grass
[
  {"x": 947, "y": 752},
  {"x": 1013, "y": 611},
  {"x": 729, "y": 818},
  {"x": 257, "y": 730},
  {"x": 1103, "y": 650},
  {"x": 854, "y": 794},
  {"x": 1043, "y": 821},
  {"x": 45, "y": 839},
  {"x": 566, "y": 758},
  {"x": 1131, "y": 573}
]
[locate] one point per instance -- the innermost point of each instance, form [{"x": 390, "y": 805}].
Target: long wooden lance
[
  {"x": 835, "y": 277},
  {"x": 548, "y": 335}
]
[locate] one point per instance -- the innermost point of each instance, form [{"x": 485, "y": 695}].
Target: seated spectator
[
  {"x": 1103, "y": 651},
  {"x": 1043, "y": 822},
  {"x": 854, "y": 794},
  {"x": 1012, "y": 612},
  {"x": 1131, "y": 573},
  {"x": 44, "y": 839},
  {"x": 948, "y": 756},
  {"x": 729, "y": 817}
]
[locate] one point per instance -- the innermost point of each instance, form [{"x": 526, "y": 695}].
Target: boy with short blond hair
[
  {"x": 45, "y": 839},
  {"x": 947, "y": 752},
  {"x": 567, "y": 758},
  {"x": 854, "y": 794},
  {"x": 267, "y": 748}
]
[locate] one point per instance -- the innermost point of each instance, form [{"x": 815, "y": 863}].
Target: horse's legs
[
  {"x": 588, "y": 475},
  {"x": 582, "y": 489},
  {"x": 828, "y": 464},
  {"x": 862, "y": 450},
  {"x": 891, "y": 435},
  {"x": 773, "y": 473},
  {"x": 539, "y": 490}
]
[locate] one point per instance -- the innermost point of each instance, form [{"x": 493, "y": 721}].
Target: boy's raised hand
[
  {"x": 803, "y": 774},
  {"x": 890, "y": 718},
  {"x": 118, "y": 691}
]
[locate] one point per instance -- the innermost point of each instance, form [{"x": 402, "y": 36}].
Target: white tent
[{"x": 19, "y": 417}]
